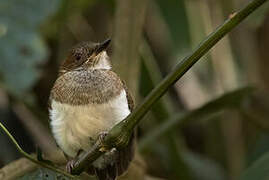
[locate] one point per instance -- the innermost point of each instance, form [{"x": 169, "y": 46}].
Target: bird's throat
[{"x": 102, "y": 61}]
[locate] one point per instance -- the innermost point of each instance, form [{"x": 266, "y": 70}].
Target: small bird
[{"x": 86, "y": 101}]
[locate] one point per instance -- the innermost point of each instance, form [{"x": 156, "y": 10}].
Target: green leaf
[
  {"x": 258, "y": 170},
  {"x": 203, "y": 168},
  {"x": 229, "y": 100}
]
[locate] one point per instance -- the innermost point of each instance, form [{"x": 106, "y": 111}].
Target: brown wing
[{"x": 129, "y": 97}]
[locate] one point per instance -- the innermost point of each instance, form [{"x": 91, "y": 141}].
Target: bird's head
[{"x": 87, "y": 55}]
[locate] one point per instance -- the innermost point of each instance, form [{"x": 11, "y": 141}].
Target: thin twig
[{"x": 31, "y": 158}]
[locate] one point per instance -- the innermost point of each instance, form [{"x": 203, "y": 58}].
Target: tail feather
[{"x": 109, "y": 173}]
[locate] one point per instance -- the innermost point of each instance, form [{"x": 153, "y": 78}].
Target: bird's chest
[{"x": 76, "y": 127}]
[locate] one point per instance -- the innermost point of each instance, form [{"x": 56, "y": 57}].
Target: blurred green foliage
[
  {"x": 22, "y": 48},
  {"x": 179, "y": 29}
]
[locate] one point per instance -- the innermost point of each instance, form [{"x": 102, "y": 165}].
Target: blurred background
[{"x": 212, "y": 125}]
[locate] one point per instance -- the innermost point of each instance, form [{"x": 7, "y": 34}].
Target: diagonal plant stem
[
  {"x": 31, "y": 158},
  {"x": 119, "y": 135}
]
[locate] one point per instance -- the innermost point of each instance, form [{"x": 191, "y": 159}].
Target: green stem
[
  {"x": 28, "y": 156},
  {"x": 119, "y": 135}
]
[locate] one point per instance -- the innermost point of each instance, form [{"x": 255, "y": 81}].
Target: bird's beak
[{"x": 102, "y": 46}]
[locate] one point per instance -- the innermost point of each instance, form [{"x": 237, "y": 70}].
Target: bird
[{"x": 87, "y": 99}]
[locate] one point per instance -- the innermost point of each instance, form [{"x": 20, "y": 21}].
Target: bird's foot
[
  {"x": 100, "y": 139},
  {"x": 102, "y": 136},
  {"x": 70, "y": 165}
]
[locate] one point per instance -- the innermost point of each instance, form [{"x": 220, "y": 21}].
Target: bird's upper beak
[{"x": 102, "y": 46}]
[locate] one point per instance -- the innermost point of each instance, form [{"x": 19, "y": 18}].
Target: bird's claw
[
  {"x": 100, "y": 139},
  {"x": 102, "y": 136},
  {"x": 70, "y": 165}
]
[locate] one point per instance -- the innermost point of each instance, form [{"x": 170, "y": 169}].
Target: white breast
[{"x": 74, "y": 126}]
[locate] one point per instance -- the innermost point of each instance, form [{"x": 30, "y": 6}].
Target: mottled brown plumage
[{"x": 83, "y": 86}]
